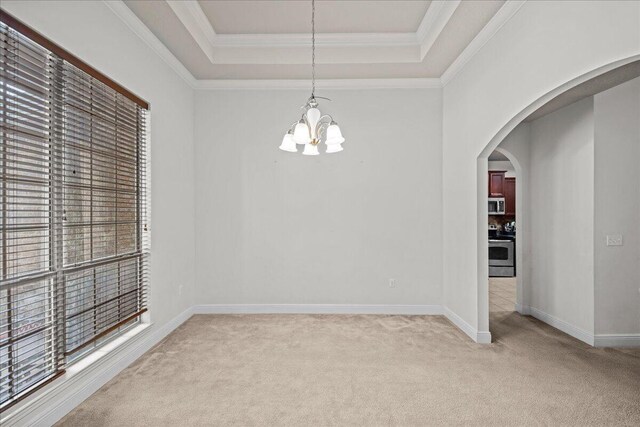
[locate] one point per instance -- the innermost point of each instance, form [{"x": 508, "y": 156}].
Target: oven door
[{"x": 501, "y": 253}]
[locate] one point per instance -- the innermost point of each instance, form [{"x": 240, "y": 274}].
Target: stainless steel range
[{"x": 502, "y": 258}]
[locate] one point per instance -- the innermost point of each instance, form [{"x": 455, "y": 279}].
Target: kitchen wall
[
  {"x": 617, "y": 209},
  {"x": 509, "y": 172},
  {"x": 276, "y": 227},
  {"x": 536, "y": 54},
  {"x": 502, "y": 165},
  {"x": 561, "y": 196}
]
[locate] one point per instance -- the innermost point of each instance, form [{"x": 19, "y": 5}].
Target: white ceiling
[
  {"x": 278, "y": 17},
  {"x": 355, "y": 39},
  {"x": 497, "y": 156}
]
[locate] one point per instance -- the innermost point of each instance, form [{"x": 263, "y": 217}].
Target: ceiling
[
  {"x": 497, "y": 156},
  {"x": 275, "y": 17},
  {"x": 354, "y": 40}
]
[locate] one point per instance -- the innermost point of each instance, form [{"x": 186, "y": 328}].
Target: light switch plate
[{"x": 614, "y": 240}]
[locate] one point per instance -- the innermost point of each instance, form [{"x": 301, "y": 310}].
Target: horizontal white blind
[
  {"x": 103, "y": 171},
  {"x": 74, "y": 251},
  {"x": 31, "y": 341}
]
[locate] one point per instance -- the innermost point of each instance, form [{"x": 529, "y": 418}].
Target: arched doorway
[
  {"x": 514, "y": 302},
  {"x": 568, "y": 89}
]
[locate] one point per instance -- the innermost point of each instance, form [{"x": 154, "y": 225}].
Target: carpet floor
[{"x": 324, "y": 370}]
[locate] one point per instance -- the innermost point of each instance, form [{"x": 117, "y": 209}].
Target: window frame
[{"x": 56, "y": 269}]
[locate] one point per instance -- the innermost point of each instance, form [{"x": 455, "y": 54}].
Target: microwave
[{"x": 496, "y": 205}]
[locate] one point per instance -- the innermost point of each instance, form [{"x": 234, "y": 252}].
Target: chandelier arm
[
  {"x": 292, "y": 127},
  {"x": 306, "y": 122},
  {"x": 320, "y": 126},
  {"x": 322, "y": 120}
]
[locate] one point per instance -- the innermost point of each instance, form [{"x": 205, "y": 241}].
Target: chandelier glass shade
[{"x": 313, "y": 127}]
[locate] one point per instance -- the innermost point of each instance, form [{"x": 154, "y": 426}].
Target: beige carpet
[
  {"x": 502, "y": 294},
  {"x": 297, "y": 370}
]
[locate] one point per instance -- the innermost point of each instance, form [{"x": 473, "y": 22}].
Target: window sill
[
  {"x": 104, "y": 350},
  {"x": 92, "y": 371}
]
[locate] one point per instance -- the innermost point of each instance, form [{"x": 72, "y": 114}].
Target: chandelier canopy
[{"x": 313, "y": 127}]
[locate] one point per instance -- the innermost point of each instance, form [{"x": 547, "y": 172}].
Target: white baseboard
[
  {"x": 617, "y": 340},
  {"x": 317, "y": 309},
  {"x": 558, "y": 323},
  {"x": 481, "y": 337},
  {"x": 53, "y": 402}
]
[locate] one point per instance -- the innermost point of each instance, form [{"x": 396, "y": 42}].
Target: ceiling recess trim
[
  {"x": 403, "y": 83},
  {"x": 141, "y": 30},
  {"x": 195, "y": 21},
  {"x": 322, "y": 39},
  {"x": 504, "y": 14},
  {"x": 418, "y": 43},
  {"x": 434, "y": 21}
]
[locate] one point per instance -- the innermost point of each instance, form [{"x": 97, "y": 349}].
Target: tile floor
[{"x": 502, "y": 294}]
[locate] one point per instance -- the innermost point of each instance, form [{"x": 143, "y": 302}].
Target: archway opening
[
  {"x": 571, "y": 92},
  {"x": 505, "y": 217}
]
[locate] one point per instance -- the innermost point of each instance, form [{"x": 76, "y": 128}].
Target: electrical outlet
[
  {"x": 614, "y": 240},
  {"x": 392, "y": 283}
]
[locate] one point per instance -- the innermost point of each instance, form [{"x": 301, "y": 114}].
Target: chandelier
[{"x": 313, "y": 126}]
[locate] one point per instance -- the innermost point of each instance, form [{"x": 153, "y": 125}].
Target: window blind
[
  {"x": 103, "y": 172},
  {"x": 73, "y": 209}
]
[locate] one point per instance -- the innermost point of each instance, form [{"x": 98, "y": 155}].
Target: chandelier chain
[
  {"x": 313, "y": 127},
  {"x": 313, "y": 48}
]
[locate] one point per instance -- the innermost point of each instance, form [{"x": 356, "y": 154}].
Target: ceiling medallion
[{"x": 313, "y": 126}]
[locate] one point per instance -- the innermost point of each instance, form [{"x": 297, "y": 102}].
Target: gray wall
[
  {"x": 517, "y": 147},
  {"x": 617, "y": 209},
  {"x": 584, "y": 171},
  {"x": 276, "y": 227},
  {"x": 562, "y": 211},
  {"x": 502, "y": 165}
]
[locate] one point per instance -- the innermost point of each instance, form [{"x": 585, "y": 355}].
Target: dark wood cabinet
[
  {"x": 496, "y": 183},
  {"x": 509, "y": 188}
]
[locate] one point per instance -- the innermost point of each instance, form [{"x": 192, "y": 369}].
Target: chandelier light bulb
[
  {"x": 313, "y": 126},
  {"x": 334, "y": 148},
  {"x": 288, "y": 144},
  {"x": 334, "y": 136},
  {"x": 301, "y": 133},
  {"x": 311, "y": 150}
]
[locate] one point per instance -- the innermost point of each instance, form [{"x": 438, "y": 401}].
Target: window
[{"x": 73, "y": 245}]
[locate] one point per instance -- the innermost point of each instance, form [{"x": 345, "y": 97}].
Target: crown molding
[
  {"x": 401, "y": 83},
  {"x": 140, "y": 29},
  {"x": 197, "y": 24},
  {"x": 504, "y": 14},
  {"x": 199, "y": 27},
  {"x": 322, "y": 40},
  {"x": 434, "y": 21}
]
